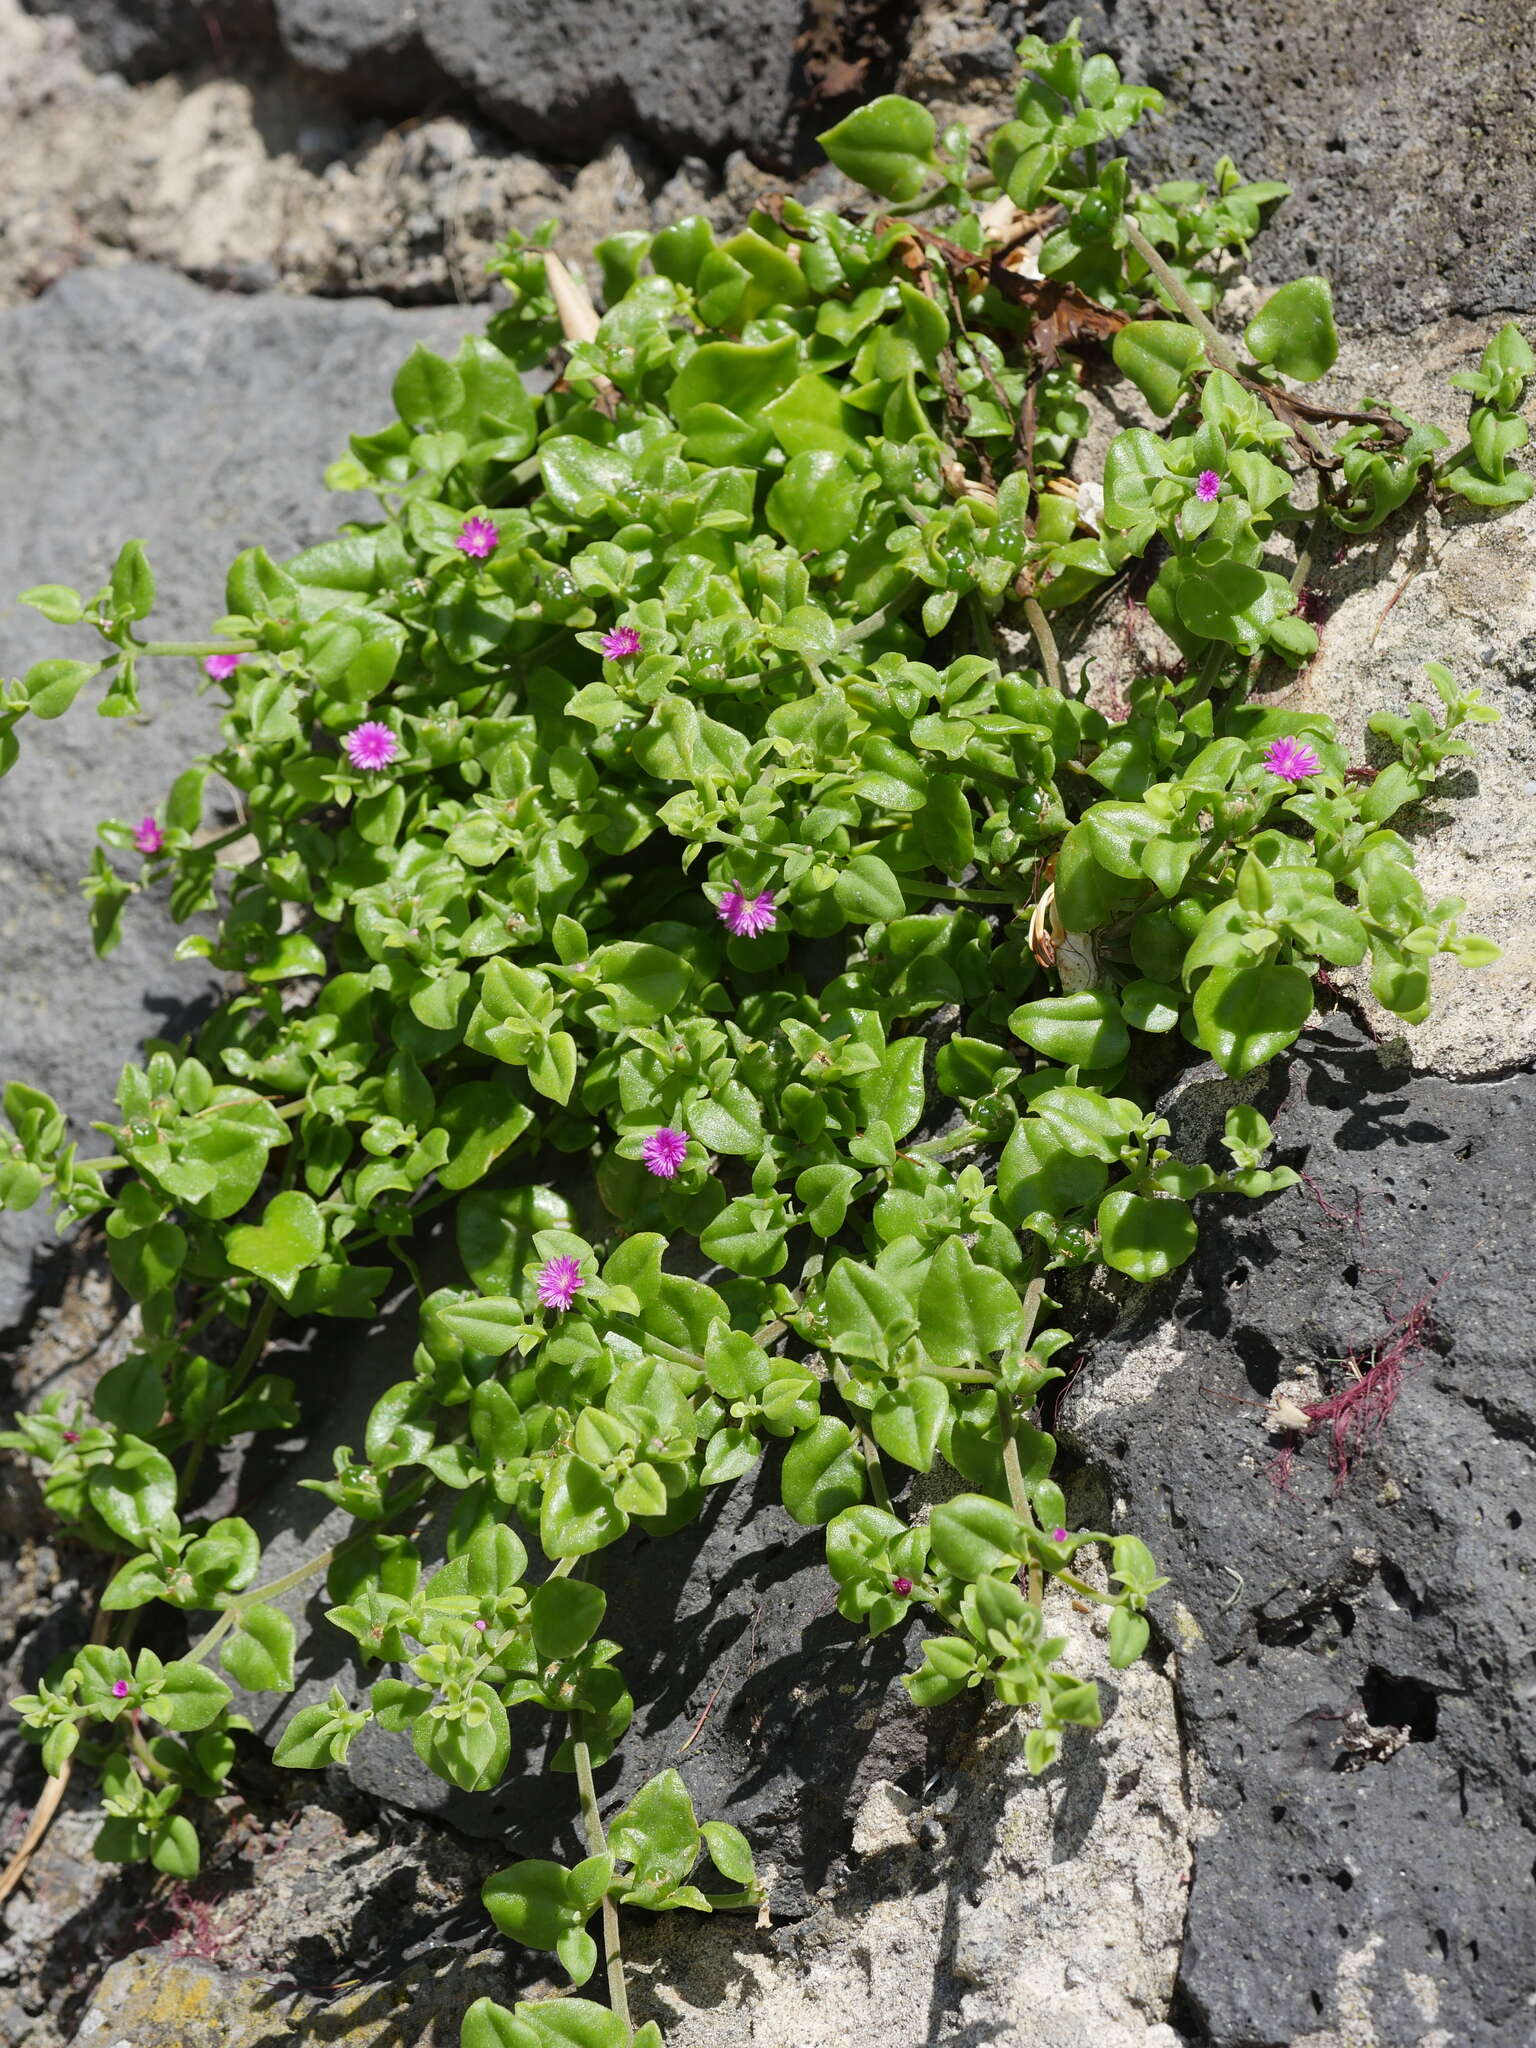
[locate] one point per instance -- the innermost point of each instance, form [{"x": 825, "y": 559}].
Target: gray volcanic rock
[
  {"x": 698, "y": 79},
  {"x": 1387, "y": 1875},
  {"x": 375, "y": 50},
  {"x": 691, "y": 78},
  {"x": 141, "y": 38},
  {"x": 1406, "y": 128},
  {"x": 1406, "y": 115},
  {"x": 701, "y": 78},
  {"x": 200, "y": 424}
]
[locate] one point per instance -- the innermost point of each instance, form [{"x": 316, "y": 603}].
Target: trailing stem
[
  {"x": 1018, "y": 1494},
  {"x": 597, "y": 1845}
]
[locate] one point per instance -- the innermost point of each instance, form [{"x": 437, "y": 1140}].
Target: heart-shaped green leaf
[
  {"x": 886, "y": 146},
  {"x": 1143, "y": 1236},
  {"x": 1157, "y": 356},
  {"x": 1245, "y": 1015},
  {"x": 289, "y": 1237},
  {"x": 1081, "y": 1030},
  {"x": 1293, "y": 331}
]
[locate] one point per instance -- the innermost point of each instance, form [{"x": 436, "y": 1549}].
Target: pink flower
[
  {"x": 482, "y": 1624},
  {"x": 664, "y": 1152},
  {"x": 1292, "y": 760},
  {"x": 221, "y": 666},
  {"x": 1207, "y": 486},
  {"x": 371, "y": 745},
  {"x": 1058, "y": 1535},
  {"x": 621, "y": 644},
  {"x": 560, "y": 1282},
  {"x": 477, "y": 537},
  {"x": 71, "y": 1436},
  {"x": 147, "y": 836},
  {"x": 120, "y": 1690},
  {"x": 901, "y": 1586},
  {"x": 747, "y": 916}
]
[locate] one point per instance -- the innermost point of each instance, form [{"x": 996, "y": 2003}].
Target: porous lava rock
[{"x": 1350, "y": 1616}]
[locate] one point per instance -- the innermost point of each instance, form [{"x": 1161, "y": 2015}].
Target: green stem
[
  {"x": 920, "y": 892},
  {"x": 981, "y": 625},
  {"x": 867, "y": 1444},
  {"x": 250, "y": 1352},
  {"x": 674, "y": 1352},
  {"x": 242, "y": 831},
  {"x": 1219, "y": 351},
  {"x": 852, "y": 635},
  {"x": 142, "y": 1751},
  {"x": 1087, "y": 1592},
  {"x": 597, "y": 1845},
  {"x": 1216, "y": 347},
  {"x": 1309, "y": 550},
  {"x": 1210, "y": 668},
  {"x": 291, "y": 1109},
  {"x": 950, "y": 1141},
  {"x": 1017, "y": 1493},
  {"x": 309, "y": 1570},
  {"x": 1045, "y": 640},
  {"x": 231, "y": 1614},
  {"x": 205, "y": 1315},
  {"x": 109, "y": 1162},
  {"x": 418, "y": 1209},
  {"x": 197, "y": 647},
  {"x": 255, "y": 1343},
  {"x": 1316, "y": 534},
  {"x": 524, "y": 661}
]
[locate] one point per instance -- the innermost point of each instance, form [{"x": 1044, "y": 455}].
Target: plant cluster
[{"x": 644, "y": 787}]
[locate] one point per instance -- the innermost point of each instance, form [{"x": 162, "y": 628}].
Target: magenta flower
[
  {"x": 560, "y": 1282},
  {"x": 1292, "y": 760},
  {"x": 901, "y": 1586},
  {"x": 147, "y": 836},
  {"x": 221, "y": 666},
  {"x": 370, "y": 745},
  {"x": 477, "y": 537},
  {"x": 482, "y": 1624},
  {"x": 622, "y": 644},
  {"x": 1058, "y": 1535},
  {"x": 1207, "y": 486},
  {"x": 746, "y": 916},
  {"x": 664, "y": 1152},
  {"x": 120, "y": 1690}
]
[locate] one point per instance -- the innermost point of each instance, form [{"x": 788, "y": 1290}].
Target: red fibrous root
[{"x": 1356, "y": 1415}]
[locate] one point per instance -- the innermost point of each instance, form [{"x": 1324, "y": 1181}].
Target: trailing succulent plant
[{"x": 644, "y": 789}]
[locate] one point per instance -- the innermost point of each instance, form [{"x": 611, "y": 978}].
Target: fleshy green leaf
[
  {"x": 289, "y": 1237},
  {"x": 1293, "y": 331},
  {"x": 886, "y": 146},
  {"x": 1245, "y": 1015},
  {"x": 1157, "y": 356},
  {"x": 1143, "y": 1236},
  {"x": 823, "y": 1472},
  {"x": 259, "y": 1655},
  {"x": 1081, "y": 1030}
]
